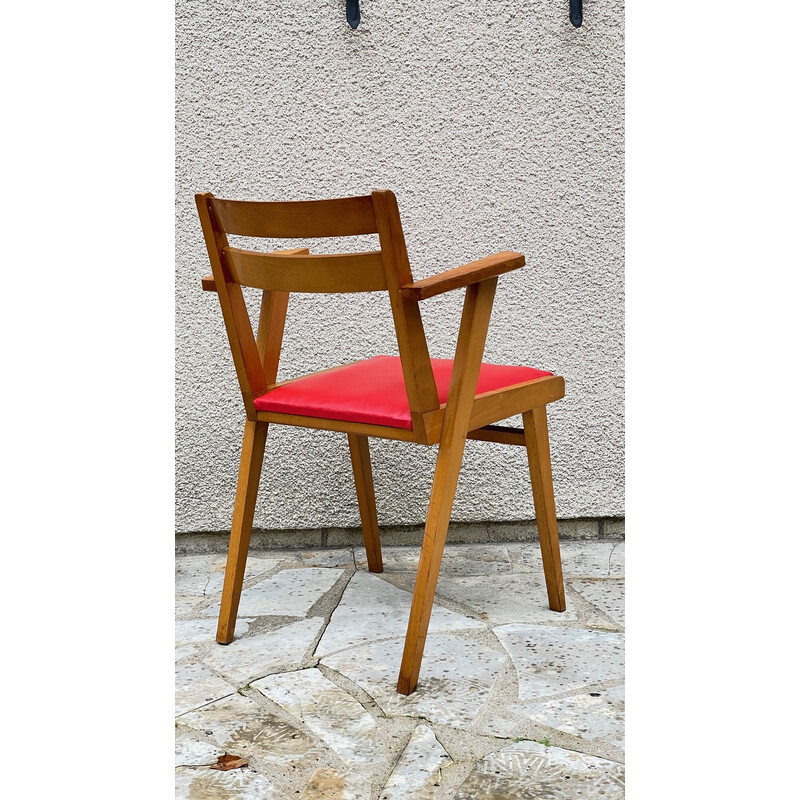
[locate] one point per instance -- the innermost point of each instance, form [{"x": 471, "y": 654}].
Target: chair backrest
[{"x": 278, "y": 274}]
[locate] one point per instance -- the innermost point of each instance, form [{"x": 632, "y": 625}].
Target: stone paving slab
[
  {"x": 290, "y": 592},
  {"x": 552, "y": 660},
  {"x": 333, "y": 784},
  {"x": 455, "y": 679},
  {"x": 276, "y": 651},
  {"x": 608, "y": 596},
  {"x": 371, "y": 609},
  {"x": 505, "y": 598},
  {"x": 194, "y": 631},
  {"x": 459, "y": 559},
  {"x": 529, "y": 770},
  {"x": 333, "y": 715},
  {"x": 602, "y": 559},
  {"x": 203, "y": 575},
  {"x": 598, "y": 714},
  {"x": 212, "y": 784},
  {"x": 416, "y": 774},
  {"x": 195, "y": 686},
  {"x": 191, "y": 751},
  {"x": 243, "y": 727}
]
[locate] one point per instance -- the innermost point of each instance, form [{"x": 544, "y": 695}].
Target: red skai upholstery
[{"x": 373, "y": 391}]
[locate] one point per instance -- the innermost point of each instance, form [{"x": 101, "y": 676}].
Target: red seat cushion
[{"x": 373, "y": 391}]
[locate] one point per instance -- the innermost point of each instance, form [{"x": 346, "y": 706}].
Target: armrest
[
  {"x": 209, "y": 285},
  {"x": 458, "y": 278}
]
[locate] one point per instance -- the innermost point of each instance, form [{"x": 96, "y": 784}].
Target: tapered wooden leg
[
  {"x": 255, "y": 437},
  {"x": 365, "y": 491},
  {"x": 538, "y": 446},
  {"x": 469, "y": 350}
]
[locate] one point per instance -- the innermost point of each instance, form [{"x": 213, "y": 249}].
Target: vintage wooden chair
[{"x": 411, "y": 397}]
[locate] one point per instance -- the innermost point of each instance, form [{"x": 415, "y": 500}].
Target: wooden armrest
[
  {"x": 458, "y": 278},
  {"x": 209, "y": 284}
]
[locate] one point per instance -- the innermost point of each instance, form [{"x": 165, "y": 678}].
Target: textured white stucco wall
[{"x": 499, "y": 126}]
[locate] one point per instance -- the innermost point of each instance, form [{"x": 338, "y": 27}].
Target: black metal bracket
[
  {"x": 354, "y": 13},
  {"x": 576, "y": 12}
]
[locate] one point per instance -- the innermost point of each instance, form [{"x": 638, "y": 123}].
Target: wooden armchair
[{"x": 411, "y": 397}]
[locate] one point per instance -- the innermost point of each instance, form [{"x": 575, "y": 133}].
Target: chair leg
[
  {"x": 460, "y": 399},
  {"x": 538, "y": 446},
  {"x": 365, "y": 491},
  {"x": 445, "y": 480},
  {"x": 255, "y": 437}
]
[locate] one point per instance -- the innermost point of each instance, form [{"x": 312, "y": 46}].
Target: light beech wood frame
[{"x": 466, "y": 415}]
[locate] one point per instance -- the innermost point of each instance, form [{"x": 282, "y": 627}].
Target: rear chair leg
[
  {"x": 365, "y": 491},
  {"x": 538, "y": 446},
  {"x": 255, "y": 437}
]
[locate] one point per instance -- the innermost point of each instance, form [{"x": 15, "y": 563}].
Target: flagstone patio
[{"x": 514, "y": 701}]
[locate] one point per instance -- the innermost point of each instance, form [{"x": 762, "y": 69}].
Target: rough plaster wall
[{"x": 499, "y": 126}]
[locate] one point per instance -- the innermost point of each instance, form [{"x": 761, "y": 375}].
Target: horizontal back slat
[
  {"x": 345, "y": 272},
  {"x": 347, "y": 216}
]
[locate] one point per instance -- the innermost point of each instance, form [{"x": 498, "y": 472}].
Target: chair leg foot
[
  {"x": 365, "y": 491},
  {"x": 538, "y": 446},
  {"x": 255, "y": 437}
]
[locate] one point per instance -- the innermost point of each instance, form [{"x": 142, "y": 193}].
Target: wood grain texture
[
  {"x": 365, "y": 492},
  {"x": 246, "y": 358},
  {"x": 304, "y": 219},
  {"x": 538, "y": 446},
  {"x": 459, "y": 277},
  {"x": 466, "y": 366},
  {"x": 337, "y": 273},
  {"x": 506, "y": 402},
  {"x": 411, "y": 342},
  {"x": 255, "y": 437}
]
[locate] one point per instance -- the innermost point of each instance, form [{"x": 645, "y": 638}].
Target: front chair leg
[
  {"x": 460, "y": 399},
  {"x": 255, "y": 437},
  {"x": 365, "y": 491},
  {"x": 445, "y": 480},
  {"x": 538, "y": 446}
]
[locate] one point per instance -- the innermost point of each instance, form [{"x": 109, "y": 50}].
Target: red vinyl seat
[{"x": 373, "y": 391}]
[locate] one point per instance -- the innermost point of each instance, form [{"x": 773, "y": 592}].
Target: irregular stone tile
[
  {"x": 551, "y": 660},
  {"x": 419, "y": 768},
  {"x": 240, "y": 725},
  {"x": 504, "y": 598},
  {"x": 212, "y": 784},
  {"x": 528, "y": 770},
  {"x": 599, "y": 714},
  {"x": 185, "y": 650},
  {"x": 203, "y": 575},
  {"x": 608, "y": 596},
  {"x": 326, "y": 558},
  {"x": 189, "y": 631},
  {"x": 331, "y": 784},
  {"x": 290, "y": 592},
  {"x": 456, "y": 677},
  {"x": 333, "y": 715},
  {"x": 185, "y": 604},
  {"x": 458, "y": 559},
  {"x": 371, "y": 609},
  {"x": 195, "y": 686},
  {"x": 191, "y": 752},
  {"x": 601, "y": 559},
  {"x": 279, "y": 650}
]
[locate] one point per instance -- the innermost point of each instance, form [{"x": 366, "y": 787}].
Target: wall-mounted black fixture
[
  {"x": 575, "y": 12},
  {"x": 354, "y": 13}
]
